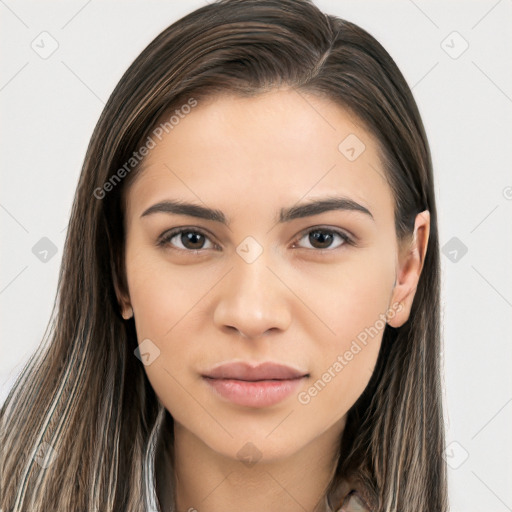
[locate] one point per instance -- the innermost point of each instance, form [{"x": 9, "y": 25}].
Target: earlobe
[
  {"x": 124, "y": 302},
  {"x": 127, "y": 313},
  {"x": 410, "y": 265},
  {"x": 126, "y": 309}
]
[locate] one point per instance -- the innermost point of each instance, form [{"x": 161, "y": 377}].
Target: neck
[{"x": 207, "y": 481}]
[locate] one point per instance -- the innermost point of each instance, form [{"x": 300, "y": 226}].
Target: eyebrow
[{"x": 285, "y": 215}]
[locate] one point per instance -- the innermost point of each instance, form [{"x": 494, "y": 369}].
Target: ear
[
  {"x": 123, "y": 299},
  {"x": 410, "y": 264}
]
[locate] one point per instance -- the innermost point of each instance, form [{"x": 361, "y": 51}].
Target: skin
[{"x": 299, "y": 303}]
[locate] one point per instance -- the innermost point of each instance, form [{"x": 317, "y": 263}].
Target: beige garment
[
  {"x": 349, "y": 496},
  {"x": 353, "y": 502}
]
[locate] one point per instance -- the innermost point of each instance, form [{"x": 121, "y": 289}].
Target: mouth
[
  {"x": 254, "y": 386},
  {"x": 247, "y": 372}
]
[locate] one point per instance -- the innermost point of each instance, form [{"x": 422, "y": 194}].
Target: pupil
[
  {"x": 320, "y": 236},
  {"x": 191, "y": 237}
]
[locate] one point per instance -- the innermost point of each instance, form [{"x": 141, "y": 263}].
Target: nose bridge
[{"x": 252, "y": 299}]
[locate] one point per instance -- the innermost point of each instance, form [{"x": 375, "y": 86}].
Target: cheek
[
  {"x": 161, "y": 301},
  {"x": 351, "y": 301},
  {"x": 167, "y": 302},
  {"x": 162, "y": 294},
  {"x": 349, "y": 296},
  {"x": 342, "y": 364}
]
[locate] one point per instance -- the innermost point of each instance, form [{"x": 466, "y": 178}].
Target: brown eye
[
  {"x": 320, "y": 238},
  {"x": 184, "y": 239},
  {"x": 192, "y": 240}
]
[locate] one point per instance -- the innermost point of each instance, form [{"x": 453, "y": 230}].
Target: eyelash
[{"x": 165, "y": 239}]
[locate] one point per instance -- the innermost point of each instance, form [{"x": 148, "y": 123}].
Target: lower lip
[{"x": 263, "y": 393}]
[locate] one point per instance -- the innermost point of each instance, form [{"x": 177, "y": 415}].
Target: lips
[
  {"x": 264, "y": 385},
  {"x": 246, "y": 372}
]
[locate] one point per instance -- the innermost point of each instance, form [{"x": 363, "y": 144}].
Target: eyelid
[
  {"x": 348, "y": 238},
  {"x": 164, "y": 239}
]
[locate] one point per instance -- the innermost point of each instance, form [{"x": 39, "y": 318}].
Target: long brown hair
[{"x": 84, "y": 402}]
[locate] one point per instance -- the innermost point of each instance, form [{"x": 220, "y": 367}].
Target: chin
[{"x": 257, "y": 447}]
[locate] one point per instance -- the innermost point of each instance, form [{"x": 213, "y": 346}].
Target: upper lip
[{"x": 246, "y": 371}]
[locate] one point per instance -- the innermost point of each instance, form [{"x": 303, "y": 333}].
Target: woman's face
[{"x": 267, "y": 279}]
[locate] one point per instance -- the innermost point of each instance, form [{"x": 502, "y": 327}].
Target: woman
[{"x": 248, "y": 307}]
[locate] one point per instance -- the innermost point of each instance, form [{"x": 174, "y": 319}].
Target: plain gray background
[{"x": 456, "y": 56}]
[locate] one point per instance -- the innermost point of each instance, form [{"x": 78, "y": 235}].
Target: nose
[{"x": 253, "y": 300}]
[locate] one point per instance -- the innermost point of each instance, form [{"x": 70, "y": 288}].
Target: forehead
[{"x": 282, "y": 145}]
